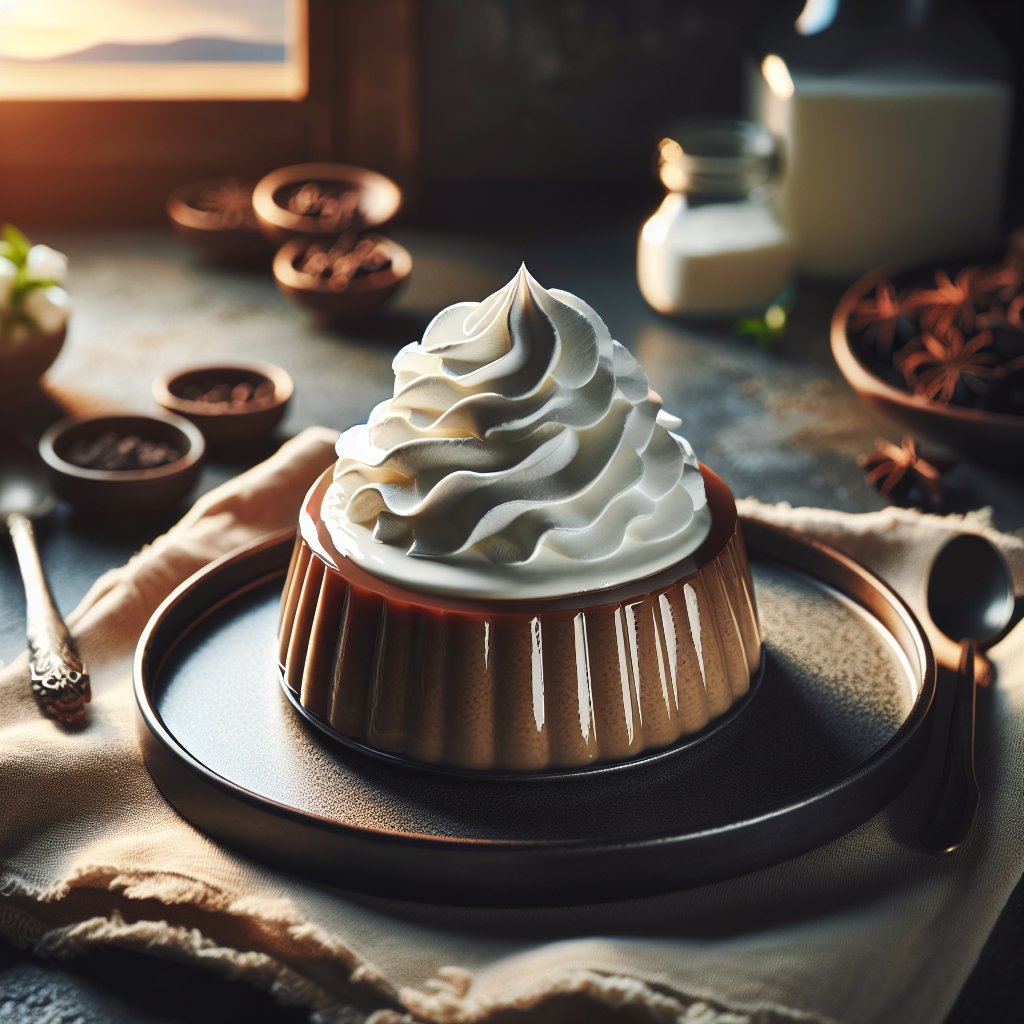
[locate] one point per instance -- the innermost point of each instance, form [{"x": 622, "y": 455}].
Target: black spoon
[
  {"x": 59, "y": 680},
  {"x": 970, "y": 599}
]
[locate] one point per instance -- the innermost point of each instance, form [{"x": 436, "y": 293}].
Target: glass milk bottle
[
  {"x": 895, "y": 119},
  {"x": 714, "y": 247}
]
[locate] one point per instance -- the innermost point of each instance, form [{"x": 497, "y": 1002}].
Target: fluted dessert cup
[{"x": 519, "y": 685}]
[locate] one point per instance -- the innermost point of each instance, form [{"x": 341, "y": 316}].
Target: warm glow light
[
  {"x": 30, "y": 30},
  {"x": 816, "y": 16},
  {"x": 670, "y": 150},
  {"x": 656, "y": 230},
  {"x": 776, "y": 74},
  {"x": 169, "y": 49}
]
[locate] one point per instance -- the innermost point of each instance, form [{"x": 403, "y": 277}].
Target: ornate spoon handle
[{"x": 59, "y": 680}]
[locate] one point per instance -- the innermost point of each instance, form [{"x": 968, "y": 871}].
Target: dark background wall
[{"x": 572, "y": 93}]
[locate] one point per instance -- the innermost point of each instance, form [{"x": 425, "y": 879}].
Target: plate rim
[{"x": 164, "y": 754}]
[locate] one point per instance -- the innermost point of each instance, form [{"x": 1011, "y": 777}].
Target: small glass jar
[{"x": 714, "y": 247}]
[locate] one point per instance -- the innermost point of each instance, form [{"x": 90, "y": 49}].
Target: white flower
[
  {"x": 47, "y": 307},
  {"x": 46, "y": 264},
  {"x": 8, "y": 275}
]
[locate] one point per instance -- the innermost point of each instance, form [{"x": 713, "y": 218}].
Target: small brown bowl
[
  {"x": 123, "y": 493},
  {"x": 379, "y": 200},
  {"x": 992, "y": 436},
  {"x": 363, "y": 294},
  {"x": 226, "y": 424},
  {"x": 23, "y": 363},
  {"x": 216, "y": 216}
]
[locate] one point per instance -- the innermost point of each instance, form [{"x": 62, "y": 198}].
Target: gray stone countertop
[{"x": 780, "y": 426}]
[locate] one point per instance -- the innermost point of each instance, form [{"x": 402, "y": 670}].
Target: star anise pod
[
  {"x": 956, "y": 301},
  {"x": 1010, "y": 318},
  {"x": 230, "y": 203},
  {"x": 1015, "y": 255},
  {"x": 897, "y": 471},
  {"x": 879, "y": 317},
  {"x": 995, "y": 284},
  {"x": 945, "y": 362}
]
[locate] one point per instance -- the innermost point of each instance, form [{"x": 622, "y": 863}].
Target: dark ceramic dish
[
  {"x": 994, "y": 435},
  {"x": 123, "y": 493},
  {"x": 376, "y": 200},
  {"x": 227, "y": 424},
  {"x": 838, "y": 727},
  {"x": 362, "y": 295}
]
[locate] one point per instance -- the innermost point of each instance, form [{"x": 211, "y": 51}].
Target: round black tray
[{"x": 833, "y": 735}]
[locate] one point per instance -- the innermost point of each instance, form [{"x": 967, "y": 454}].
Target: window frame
[{"x": 87, "y": 163}]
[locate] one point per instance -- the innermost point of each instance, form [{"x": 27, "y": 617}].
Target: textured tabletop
[{"x": 779, "y": 426}]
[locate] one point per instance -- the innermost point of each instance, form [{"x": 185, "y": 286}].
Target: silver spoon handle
[
  {"x": 954, "y": 812},
  {"x": 59, "y": 680}
]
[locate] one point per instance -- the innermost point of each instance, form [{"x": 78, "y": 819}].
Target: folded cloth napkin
[{"x": 867, "y": 928}]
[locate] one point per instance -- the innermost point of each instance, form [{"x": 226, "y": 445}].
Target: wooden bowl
[
  {"x": 993, "y": 436},
  {"x": 231, "y": 238},
  {"x": 379, "y": 199},
  {"x": 362, "y": 296},
  {"x": 23, "y": 363},
  {"x": 227, "y": 424},
  {"x": 118, "y": 494}
]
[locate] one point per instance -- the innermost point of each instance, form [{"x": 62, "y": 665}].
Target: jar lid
[{"x": 717, "y": 156}]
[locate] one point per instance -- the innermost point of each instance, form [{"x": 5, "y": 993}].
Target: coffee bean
[{"x": 112, "y": 451}]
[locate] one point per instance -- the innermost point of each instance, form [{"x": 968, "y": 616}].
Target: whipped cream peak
[{"x": 523, "y": 451}]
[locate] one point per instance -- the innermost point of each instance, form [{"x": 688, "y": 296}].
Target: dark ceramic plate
[{"x": 827, "y": 743}]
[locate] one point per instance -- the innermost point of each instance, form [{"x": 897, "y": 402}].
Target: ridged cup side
[{"x": 495, "y": 689}]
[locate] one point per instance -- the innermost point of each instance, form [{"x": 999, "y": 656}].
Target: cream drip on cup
[{"x": 522, "y": 454}]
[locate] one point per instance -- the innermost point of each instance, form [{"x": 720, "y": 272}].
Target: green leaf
[
  {"x": 751, "y": 325},
  {"x": 768, "y": 330},
  {"x": 17, "y": 245},
  {"x": 25, "y": 285}
]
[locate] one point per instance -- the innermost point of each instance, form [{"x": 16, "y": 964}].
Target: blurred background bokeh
[{"x": 491, "y": 109}]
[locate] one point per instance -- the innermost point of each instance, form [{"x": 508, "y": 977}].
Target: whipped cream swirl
[{"x": 523, "y": 454}]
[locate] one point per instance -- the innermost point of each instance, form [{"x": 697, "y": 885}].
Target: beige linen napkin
[{"x": 865, "y": 929}]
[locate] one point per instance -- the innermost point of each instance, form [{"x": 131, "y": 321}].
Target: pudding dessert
[{"x": 516, "y": 564}]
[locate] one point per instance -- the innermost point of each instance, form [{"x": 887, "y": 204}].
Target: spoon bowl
[
  {"x": 970, "y": 592},
  {"x": 24, "y": 487}
]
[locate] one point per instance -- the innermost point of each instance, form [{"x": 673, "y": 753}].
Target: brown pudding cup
[{"x": 528, "y": 685}]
